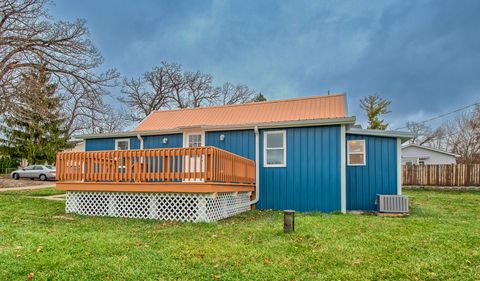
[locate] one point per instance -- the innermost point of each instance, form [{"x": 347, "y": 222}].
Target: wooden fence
[
  {"x": 442, "y": 175},
  {"x": 208, "y": 164}
]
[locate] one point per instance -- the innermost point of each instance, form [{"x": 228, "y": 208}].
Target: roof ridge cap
[{"x": 249, "y": 103}]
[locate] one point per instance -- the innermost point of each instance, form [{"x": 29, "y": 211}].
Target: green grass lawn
[{"x": 440, "y": 240}]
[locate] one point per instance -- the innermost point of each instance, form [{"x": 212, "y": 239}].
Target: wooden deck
[{"x": 195, "y": 170}]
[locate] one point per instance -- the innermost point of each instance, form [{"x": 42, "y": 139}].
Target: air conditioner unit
[{"x": 392, "y": 203}]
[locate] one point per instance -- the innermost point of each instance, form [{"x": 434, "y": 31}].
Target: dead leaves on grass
[
  {"x": 64, "y": 217},
  {"x": 139, "y": 243},
  {"x": 18, "y": 249}
]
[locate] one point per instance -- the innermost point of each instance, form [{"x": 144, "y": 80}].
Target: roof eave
[
  {"x": 267, "y": 125},
  {"x": 297, "y": 123},
  {"x": 431, "y": 149},
  {"x": 129, "y": 134},
  {"x": 403, "y": 136}
]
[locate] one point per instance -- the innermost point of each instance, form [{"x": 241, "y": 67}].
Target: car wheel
[
  {"x": 16, "y": 176},
  {"x": 43, "y": 177}
]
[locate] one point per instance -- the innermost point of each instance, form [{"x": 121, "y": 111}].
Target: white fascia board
[
  {"x": 286, "y": 124},
  {"x": 403, "y": 136},
  {"x": 267, "y": 125},
  {"x": 128, "y": 134},
  {"x": 431, "y": 149}
]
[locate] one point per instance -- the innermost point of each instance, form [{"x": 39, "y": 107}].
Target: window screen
[
  {"x": 356, "y": 152},
  {"x": 275, "y": 149}
]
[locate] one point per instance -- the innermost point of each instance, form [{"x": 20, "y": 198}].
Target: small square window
[
  {"x": 275, "y": 149},
  {"x": 356, "y": 153},
  {"x": 194, "y": 140},
  {"x": 122, "y": 144}
]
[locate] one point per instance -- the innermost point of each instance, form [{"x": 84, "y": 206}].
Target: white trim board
[
  {"x": 404, "y": 136},
  {"x": 343, "y": 170},
  {"x": 399, "y": 167}
]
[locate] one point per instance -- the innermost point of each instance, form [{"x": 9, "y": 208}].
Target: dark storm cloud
[{"x": 423, "y": 55}]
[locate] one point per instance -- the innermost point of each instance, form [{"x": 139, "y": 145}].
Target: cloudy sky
[{"x": 422, "y": 55}]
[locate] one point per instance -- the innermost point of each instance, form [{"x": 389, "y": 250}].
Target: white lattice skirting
[{"x": 192, "y": 207}]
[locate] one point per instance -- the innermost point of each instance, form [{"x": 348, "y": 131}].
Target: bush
[{"x": 7, "y": 162}]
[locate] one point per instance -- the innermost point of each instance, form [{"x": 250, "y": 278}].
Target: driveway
[{"x": 7, "y": 182}]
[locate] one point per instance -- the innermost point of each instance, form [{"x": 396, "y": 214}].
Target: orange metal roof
[{"x": 308, "y": 108}]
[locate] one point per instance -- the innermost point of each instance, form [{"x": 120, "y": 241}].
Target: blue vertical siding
[
  {"x": 378, "y": 176},
  {"x": 311, "y": 179},
  {"x": 108, "y": 144},
  {"x": 239, "y": 142},
  {"x": 175, "y": 140}
]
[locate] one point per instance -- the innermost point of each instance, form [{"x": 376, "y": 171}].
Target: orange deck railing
[{"x": 204, "y": 164}]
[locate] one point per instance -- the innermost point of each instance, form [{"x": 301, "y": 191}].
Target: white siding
[{"x": 415, "y": 154}]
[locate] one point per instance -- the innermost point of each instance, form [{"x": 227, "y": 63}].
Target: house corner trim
[
  {"x": 399, "y": 166},
  {"x": 343, "y": 171}
]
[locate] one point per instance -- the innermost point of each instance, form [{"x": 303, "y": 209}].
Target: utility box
[{"x": 397, "y": 204}]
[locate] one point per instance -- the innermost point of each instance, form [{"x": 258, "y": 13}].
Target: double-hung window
[
  {"x": 275, "y": 149},
  {"x": 356, "y": 153}
]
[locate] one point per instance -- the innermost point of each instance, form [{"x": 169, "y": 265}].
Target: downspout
[
  {"x": 140, "y": 138},
  {"x": 257, "y": 168}
]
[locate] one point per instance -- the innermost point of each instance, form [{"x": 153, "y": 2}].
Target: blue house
[{"x": 213, "y": 162}]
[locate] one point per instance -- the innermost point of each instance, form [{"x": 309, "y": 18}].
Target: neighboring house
[
  {"x": 78, "y": 146},
  {"x": 414, "y": 154},
  {"x": 301, "y": 154}
]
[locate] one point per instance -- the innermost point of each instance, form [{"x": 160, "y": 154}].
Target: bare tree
[
  {"x": 464, "y": 136},
  {"x": 168, "y": 86},
  {"x": 425, "y": 135},
  {"x": 232, "y": 94},
  {"x": 177, "y": 85},
  {"x": 147, "y": 94},
  {"x": 107, "y": 120},
  {"x": 199, "y": 89},
  {"x": 29, "y": 39}
]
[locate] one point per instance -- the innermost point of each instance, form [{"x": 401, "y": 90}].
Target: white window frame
[
  {"x": 121, "y": 140},
  {"x": 265, "y": 148},
  {"x": 357, "y": 153},
  {"x": 186, "y": 135}
]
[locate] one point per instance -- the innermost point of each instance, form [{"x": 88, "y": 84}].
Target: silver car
[{"x": 42, "y": 172}]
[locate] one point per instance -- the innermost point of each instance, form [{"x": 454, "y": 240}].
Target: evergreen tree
[
  {"x": 259, "y": 97},
  {"x": 33, "y": 129},
  {"x": 374, "y": 107}
]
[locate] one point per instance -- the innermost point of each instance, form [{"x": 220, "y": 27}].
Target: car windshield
[{"x": 50, "y": 167}]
